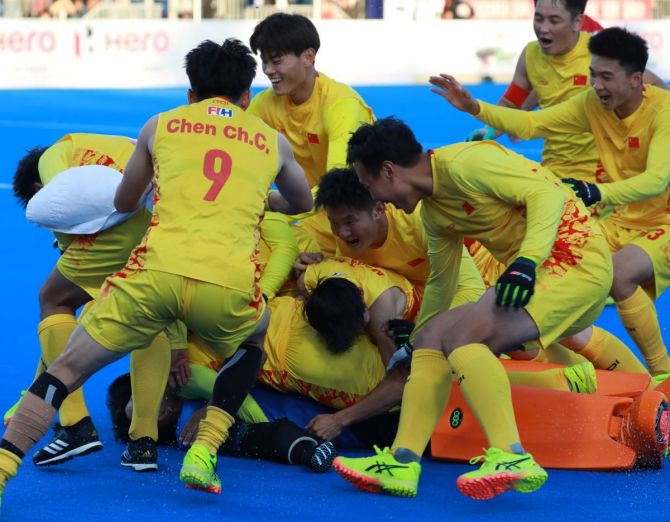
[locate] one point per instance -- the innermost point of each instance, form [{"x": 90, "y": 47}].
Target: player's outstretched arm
[
  {"x": 294, "y": 196},
  {"x": 446, "y": 86},
  {"x": 139, "y": 171}
]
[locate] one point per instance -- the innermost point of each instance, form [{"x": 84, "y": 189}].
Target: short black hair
[
  {"x": 283, "y": 33},
  {"x": 27, "y": 174},
  {"x": 335, "y": 309},
  {"x": 118, "y": 395},
  {"x": 340, "y": 188},
  {"x": 220, "y": 70},
  {"x": 617, "y": 43},
  {"x": 388, "y": 139},
  {"x": 575, "y": 7}
]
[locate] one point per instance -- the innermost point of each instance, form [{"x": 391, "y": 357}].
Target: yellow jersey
[
  {"x": 278, "y": 251},
  {"x": 318, "y": 129},
  {"x": 78, "y": 150},
  {"x": 634, "y": 150},
  {"x": 214, "y": 165},
  {"x": 510, "y": 204},
  {"x": 373, "y": 281},
  {"x": 297, "y": 360},
  {"x": 555, "y": 79}
]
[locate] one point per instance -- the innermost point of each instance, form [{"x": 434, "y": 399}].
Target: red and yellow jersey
[
  {"x": 318, "y": 129},
  {"x": 78, "y": 150},
  {"x": 403, "y": 252},
  {"x": 510, "y": 204},
  {"x": 634, "y": 150},
  {"x": 297, "y": 360},
  {"x": 214, "y": 165},
  {"x": 555, "y": 79},
  {"x": 373, "y": 281}
]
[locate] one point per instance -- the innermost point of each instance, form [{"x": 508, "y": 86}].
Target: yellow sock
[
  {"x": 149, "y": 370},
  {"x": 607, "y": 352},
  {"x": 425, "y": 396},
  {"x": 213, "y": 429},
  {"x": 485, "y": 385},
  {"x": 556, "y": 353},
  {"x": 638, "y": 315},
  {"x": 54, "y": 332},
  {"x": 9, "y": 466},
  {"x": 553, "y": 379}
]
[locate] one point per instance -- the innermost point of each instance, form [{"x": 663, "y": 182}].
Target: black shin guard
[
  {"x": 236, "y": 378},
  {"x": 280, "y": 441},
  {"x": 50, "y": 389}
]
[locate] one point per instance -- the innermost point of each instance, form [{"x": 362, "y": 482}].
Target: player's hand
[
  {"x": 516, "y": 286},
  {"x": 325, "y": 426},
  {"x": 485, "y": 133},
  {"x": 305, "y": 259},
  {"x": 190, "y": 431},
  {"x": 452, "y": 91},
  {"x": 589, "y": 193},
  {"x": 180, "y": 371}
]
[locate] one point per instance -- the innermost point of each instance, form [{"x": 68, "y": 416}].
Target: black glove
[
  {"x": 401, "y": 330},
  {"x": 589, "y": 193},
  {"x": 516, "y": 286}
]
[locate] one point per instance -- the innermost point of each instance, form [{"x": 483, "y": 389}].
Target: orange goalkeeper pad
[
  {"x": 621, "y": 384},
  {"x": 562, "y": 430}
]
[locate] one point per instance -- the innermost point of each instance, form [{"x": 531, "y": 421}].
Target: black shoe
[
  {"x": 324, "y": 455},
  {"x": 141, "y": 455},
  {"x": 70, "y": 442}
]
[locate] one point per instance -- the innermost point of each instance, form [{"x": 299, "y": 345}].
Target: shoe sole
[
  {"x": 319, "y": 465},
  {"x": 371, "y": 485},
  {"x": 80, "y": 451},
  {"x": 140, "y": 467},
  {"x": 490, "y": 486},
  {"x": 193, "y": 480}
]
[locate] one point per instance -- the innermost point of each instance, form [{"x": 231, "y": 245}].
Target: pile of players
[{"x": 324, "y": 303}]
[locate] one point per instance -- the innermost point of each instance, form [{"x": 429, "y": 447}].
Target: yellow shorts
[
  {"x": 656, "y": 244},
  {"x": 89, "y": 259},
  {"x": 134, "y": 306},
  {"x": 489, "y": 267},
  {"x": 570, "y": 291}
]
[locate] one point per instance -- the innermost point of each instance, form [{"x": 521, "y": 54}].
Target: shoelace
[{"x": 490, "y": 454}]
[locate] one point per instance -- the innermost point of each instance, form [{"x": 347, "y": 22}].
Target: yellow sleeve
[
  {"x": 567, "y": 117},
  {"x": 470, "y": 283},
  {"x": 55, "y": 160},
  {"x": 277, "y": 234},
  {"x": 655, "y": 178},
  {"x": 340, "y": 121},
  {"x": 445, "y": 253},
  {"x": 544, "y": 201}
]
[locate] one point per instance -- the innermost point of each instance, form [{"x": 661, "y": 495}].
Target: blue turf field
[{"x": 97, "y": 488}]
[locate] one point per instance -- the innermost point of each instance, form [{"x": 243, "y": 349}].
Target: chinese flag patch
[
  {"x": 469, "y": 209},
  {"x": 634, "y": 142},
  {"x": 579, "y": 79},
  {"x": 313, "y": 138}
]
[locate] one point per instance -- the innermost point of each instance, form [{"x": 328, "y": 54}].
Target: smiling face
[
  {"x": 359, "y": 229},
  {"x": 616, "y": 89},
  {"x": 390, "y": 185},
  {"x": 290, "y": 74},
  {"x": 555, "y": 29}
]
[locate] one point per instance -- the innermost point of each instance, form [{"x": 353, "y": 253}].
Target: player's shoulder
[{"x": 332, "y": 91}]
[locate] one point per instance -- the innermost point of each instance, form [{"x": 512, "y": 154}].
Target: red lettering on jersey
[
  {"x": 313, "y": 138},
  {"x": 416, "y": 262},
  {"x": 469, "y": 209},
  {"x": 580, "y": 79},
  {"x": 634, "y": 142}
]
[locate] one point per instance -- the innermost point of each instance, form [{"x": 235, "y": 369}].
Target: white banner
[{"x": 140, "y": 53}]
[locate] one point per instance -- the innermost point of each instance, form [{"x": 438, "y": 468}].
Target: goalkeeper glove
[
  {"x": 516, "y": 286},
  {"x": 589, "y": 193}
]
